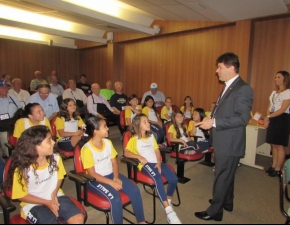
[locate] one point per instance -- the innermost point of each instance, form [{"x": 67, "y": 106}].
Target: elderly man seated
[
  {"x": 99, "y": 106},
  {"x": 46, "y": 100},
  {"x": 20, "y": 94},
  {"x": 9, "y": 106}
]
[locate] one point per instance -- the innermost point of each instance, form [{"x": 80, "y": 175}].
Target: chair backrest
[
  {"x": 175, "y": 107},
  {"x": 78, "y": 164},
  {"x": 122, "y": 119},
  {"x": 126, "y": 137},
  {"x": 8, "y": 193},
  {"x": 159, "y": 108},
  {"x": 12, "y": 140},
  {"x": 53, "y": 127},
  {"x": 167, "y": 125}
]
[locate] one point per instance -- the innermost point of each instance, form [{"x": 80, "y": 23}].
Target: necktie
[{"x": 217, "y": 102}]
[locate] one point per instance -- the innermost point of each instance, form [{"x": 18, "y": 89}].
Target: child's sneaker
[
  {"x": 163, "y": 145},
  {"x": 172, "y": 218}
]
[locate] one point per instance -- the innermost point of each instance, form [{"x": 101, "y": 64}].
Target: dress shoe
[
  {"x": 273, "y": 173},
  {"x": 229, "y": 209},
  {"x": 204, "y": 216}
]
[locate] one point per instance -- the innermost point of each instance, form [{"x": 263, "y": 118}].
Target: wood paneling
[
  {"x": 21, "y": 59},
  {"x": 95, "y": 64},
  {"x": 181, "y": 64},
  {"x": 270, "y": 54}
]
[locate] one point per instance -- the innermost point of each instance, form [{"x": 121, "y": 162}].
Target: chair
[
  {"x": 284, "y": 193},
  {"x": 64, "y": 153},
  {"x": 12, "y": 141},
  {"x": 207, "y": 155},
  {"x": 123, "y": 119},
  {"x": 8, "y": 206},
  {"x": 181, "y": 158},
  {"x": 145, "y": 180},
  {"x": 98, "y": 202}
]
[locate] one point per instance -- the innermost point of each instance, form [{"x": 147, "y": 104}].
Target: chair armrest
[
  {"x": 133, "y": 162},
  {"x": 7, "y": 207},
  {"x": 195, "y": 137},
  {"x": 77, "y": 178},
  {"x": 7, "y": 204},
  {"x": 9, "y": 146}
]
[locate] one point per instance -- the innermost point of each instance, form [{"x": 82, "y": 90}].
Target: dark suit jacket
[{"x": 232, "y": 116}]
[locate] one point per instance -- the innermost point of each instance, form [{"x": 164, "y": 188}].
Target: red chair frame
[
  {"x": 145, "y": 180},
  {"x": 98, "y": 202},
  {"x": 181, "y": 158}
]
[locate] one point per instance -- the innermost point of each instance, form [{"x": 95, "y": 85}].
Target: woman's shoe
[
  {"x": 273, "y": 173},
  {"x": 269, "y": 170}
]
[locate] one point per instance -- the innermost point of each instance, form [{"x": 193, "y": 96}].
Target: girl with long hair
[
  {"x": 142, "y": 146},
  {"x": 69, "y": 125},
  {"x": 187, "y": 107},
  {"x": 98, "y": 156},
  {"x": 156, "y": 125},
  {"x": 35, "y": 177}
]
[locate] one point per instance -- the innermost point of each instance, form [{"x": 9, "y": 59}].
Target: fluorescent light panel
[
  {"x": 109, "y": 7},
  {"x": 35, "y": 37},
  {"x": 19, "y": 15}
]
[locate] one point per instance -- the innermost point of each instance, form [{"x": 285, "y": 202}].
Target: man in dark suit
[{"x": 227, "y": 127}]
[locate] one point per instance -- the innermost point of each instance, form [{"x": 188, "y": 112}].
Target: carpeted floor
[{"x": 256, "y": 195}]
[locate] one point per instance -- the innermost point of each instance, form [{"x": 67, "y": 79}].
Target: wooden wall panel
[
  {"x": 270, "y": 54},
  {"x": 181, "y": 64},
  {"x": 21, "y": 59},
  {"x": 94, "y": 63}
]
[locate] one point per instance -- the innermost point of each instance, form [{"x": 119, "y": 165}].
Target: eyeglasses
[{"x": 43, "y": 94}]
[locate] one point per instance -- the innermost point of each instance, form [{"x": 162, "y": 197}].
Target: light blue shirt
[
  {"x": 9, "y": 106},
  {"x": 56, "y": 89},
  {"x": 49, "y": 105}
]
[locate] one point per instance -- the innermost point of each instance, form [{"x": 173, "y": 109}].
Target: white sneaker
[{"x": 172, "y": 218}]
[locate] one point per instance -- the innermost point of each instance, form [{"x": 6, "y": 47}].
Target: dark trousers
[{"x": 223, "y": 188}]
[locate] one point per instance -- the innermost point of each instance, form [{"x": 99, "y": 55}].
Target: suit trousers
[{"x": 223, "y": 189}]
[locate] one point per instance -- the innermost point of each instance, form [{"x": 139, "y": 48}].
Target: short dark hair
[
  {"x": 43, "y": 85},
  {"x": 83, "y": 75},
  {"x": 229, "y": 59}
]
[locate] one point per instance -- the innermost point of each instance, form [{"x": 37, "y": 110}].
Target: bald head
[{"x": 96, "y": 88}]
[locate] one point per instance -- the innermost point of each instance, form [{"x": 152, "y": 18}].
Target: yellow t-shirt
[
  {"x": 165, "y": 111},
  {"x": 60, "y": 124},
  {"x": 150, "y": 113},
  {"x": 130, "y": 115},
  {"x": 25, "y": 123},
  {"x": 100, "y": 159},
  {"x": 145, "y": 147},
  {"x": 41, "y": 186},
  {"x": 187, "y": 112}
]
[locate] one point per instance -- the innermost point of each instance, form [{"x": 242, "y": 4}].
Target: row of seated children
[
  {"x": 178, "y": 130},
  {"x": 67, "y": 123},
  {"x": 35, "y": 150}
]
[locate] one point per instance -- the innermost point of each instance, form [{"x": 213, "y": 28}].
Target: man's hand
[{"x": 206, "y": 124}]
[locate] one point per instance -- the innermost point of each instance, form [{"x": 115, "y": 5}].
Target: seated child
[
  {"x": 166, "y": 110},
  {"x": 69, "y": 125},
  {"x": 178, "y": 132},
  {"x": 143, "y": 146},
  {"x": 35, "y": 177},
  {"x": 99, "y": 159},
  {"x": 156, "y": 124},
  {"x": 187, "y": 108},
  {"x": 203, "y": 140},
  {"x": 33, "y": 115},
  {"x": 132, "y": 109}
]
